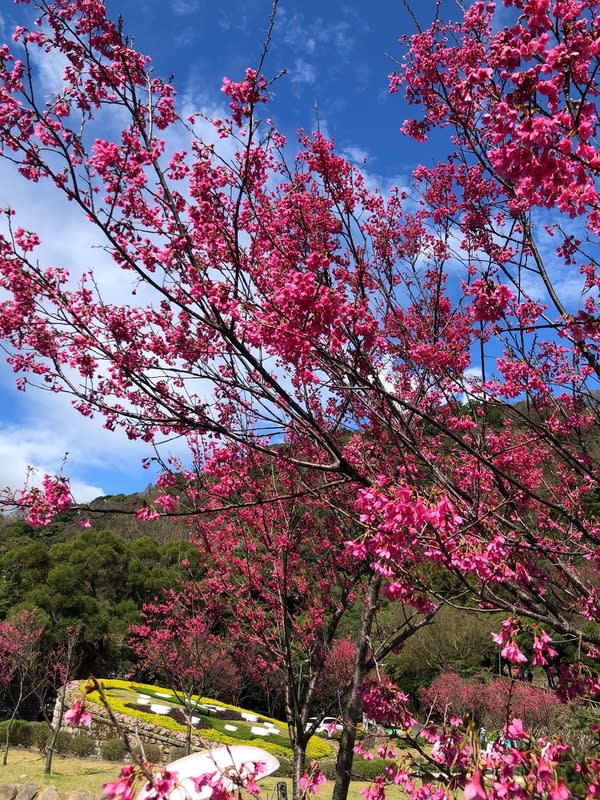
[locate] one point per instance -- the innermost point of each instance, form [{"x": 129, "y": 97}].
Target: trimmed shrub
[
  {"x": 177, "y": 752},
  {"x": 369, "y": 770},
  {"x": 229, "y": 713},
  {"x": 327, "y": 767},
  {"x": 41, "y": 736},
  {"x": 181, "y": 717},
  {"x": 286, "y": 768},
  {"x": 21, "y": 732},
  {"x": 152, "y": 752},
  {"x": 64, "y": 742},
  {"x": 145, "y": 709},
  {"x": 112, "y": 750},
  {"x": 83, "y": 745}
]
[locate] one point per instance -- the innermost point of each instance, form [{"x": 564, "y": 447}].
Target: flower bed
[{"x": 124, "y": 700}]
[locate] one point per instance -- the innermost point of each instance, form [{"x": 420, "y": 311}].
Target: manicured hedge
[
  {"x": 83, "y": 745},
  {"x": 363, "y": 770},
  {"x": 21, "y": 733},
  {"x": 112, "y": 750}
]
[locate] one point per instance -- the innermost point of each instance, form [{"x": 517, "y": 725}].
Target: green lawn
[
  {"x": 68, "y": 774},
  {"x": 88, "y": 775}
]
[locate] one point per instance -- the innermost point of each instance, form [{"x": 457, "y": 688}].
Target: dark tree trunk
[
  {"x": 343, "y": 767},
  {"x": 298, "y": 770}
]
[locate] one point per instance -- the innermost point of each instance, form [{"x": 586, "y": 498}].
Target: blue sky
[{"x": 335, "y": 57}]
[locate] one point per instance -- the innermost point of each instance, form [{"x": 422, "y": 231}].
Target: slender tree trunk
[
  {"x": 69, "y": 668},
  {"x": 188, "y": 738},
  {"x": 343, "y": 767},
  {"x": 7, "y": 741},
  {"x": 10, "y": 722},
  {"x": 55, "y": 728}
]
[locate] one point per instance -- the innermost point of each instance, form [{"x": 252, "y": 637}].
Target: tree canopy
[{"x": 358, "y": 344}]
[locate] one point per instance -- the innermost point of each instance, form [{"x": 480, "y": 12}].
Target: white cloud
[
  {"x": 40, "y": 427},
  {"x": 303, "y": 36},
  {"x": 28, "y": 453},
  {"x": 184, "y": 7},
  {"x": 355, "y": 154},
  {"x": 303, "y": 72}
]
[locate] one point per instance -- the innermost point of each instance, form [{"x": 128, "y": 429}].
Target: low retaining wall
[
  {"x": 31, "y": 791},
  {"x": 102, "y": 729}
]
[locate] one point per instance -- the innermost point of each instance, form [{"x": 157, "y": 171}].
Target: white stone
[
  {"x": 249, "y": 717},
  {"x": 230, "y": 727},
  {"x": 258, "y": 731},
  {"x": 156, "y": 708}
]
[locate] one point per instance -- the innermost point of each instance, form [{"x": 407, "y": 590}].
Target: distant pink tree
[
  {"x": 336, "y": 678},
  {"x": 177, "y": 643},
  {"x": 493, "y": 702},
  {"x": 451, "y": 694},
  {"x": 20, "y": 655}
]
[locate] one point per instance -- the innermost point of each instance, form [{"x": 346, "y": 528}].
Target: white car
[{"x": 328, "y": 725}]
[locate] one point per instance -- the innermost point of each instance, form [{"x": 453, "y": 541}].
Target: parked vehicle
[{"x": 328, "y": 726}]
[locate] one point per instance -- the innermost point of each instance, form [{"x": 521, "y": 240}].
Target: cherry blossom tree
[
  {"x": 282, "y": 582},
  {"x": 52, "y": 673},
  {"x": 428, "y": 370},
  {"x": 491, "y": 702},
  {"x": 178, "y": 642},
  {"x": 19, "y": 656}
]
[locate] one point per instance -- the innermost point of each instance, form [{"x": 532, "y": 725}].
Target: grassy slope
[{"x": 120, "y": 692}]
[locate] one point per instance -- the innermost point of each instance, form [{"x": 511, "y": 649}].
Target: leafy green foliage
[
  {"x": 112, "y": 750},
  {"x": 152, "y": 752},
  {"x": 21, "y": 732},
  {"x": 363, "y": 770},
  {"x": 83, "y": 745},
  {"x": 94, "y": 578}
]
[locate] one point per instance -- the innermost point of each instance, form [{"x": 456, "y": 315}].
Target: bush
[
  {"x": 143, "y": 707},
  {"x": 229, "y": 713},
  {"x": 327, "y": 767},
  {"x": 41, "y": 736},
  {"x": 369, "y": 770},
  {"x": 64, "y": 742},
  {"x": 83, "y": 745},
  {"x": 112, "y": 750},
  {"x": 21, "y": 732},
  {"x": 152, "y": 752},
  {"x": 179, "y": 716},
  {"x": 177, "y": 752},
  {"x": 285, "y": 769}
]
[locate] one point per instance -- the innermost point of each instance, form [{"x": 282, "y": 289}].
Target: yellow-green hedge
[{"x": 317, "y": 748}]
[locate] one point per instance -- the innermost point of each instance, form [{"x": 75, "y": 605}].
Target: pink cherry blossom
[{"x": 78, "y": 715}]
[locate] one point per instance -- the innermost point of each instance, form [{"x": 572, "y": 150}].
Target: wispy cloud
[
  {"x": 37, "y": 428},
  {"x": 184, "y": 7},
  {"x": 303, "y": 72},
  {"x": 307, "y": 37},
  {"x": 357, "y": 155}
]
